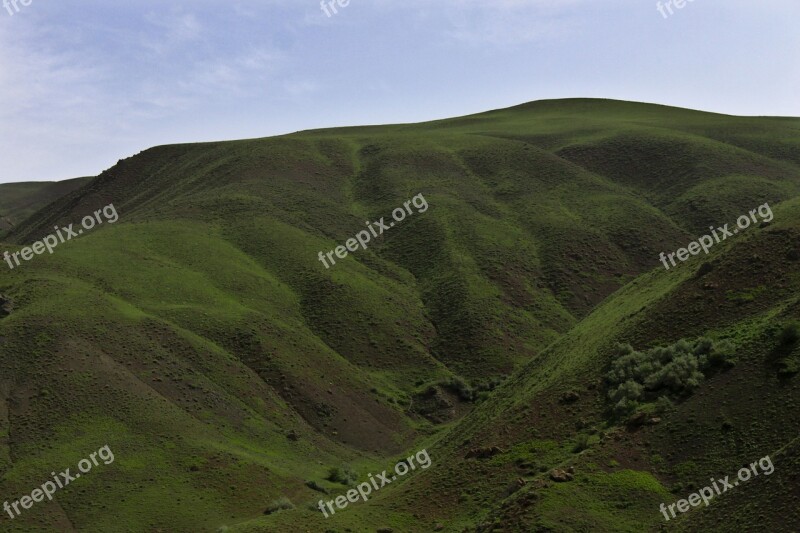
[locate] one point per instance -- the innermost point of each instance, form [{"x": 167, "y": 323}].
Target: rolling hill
[
  {"x": 202, "y": 339},
  {"x": 18, "y": 201}
]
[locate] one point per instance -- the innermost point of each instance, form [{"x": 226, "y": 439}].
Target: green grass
[
  {"x": 200, "y": 332},
  {"x": 19, "y": 201}
]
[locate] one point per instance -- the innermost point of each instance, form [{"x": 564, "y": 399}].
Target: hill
[
  {"x": 18, "y": 201},
  {"x": 203, "y": 340}
]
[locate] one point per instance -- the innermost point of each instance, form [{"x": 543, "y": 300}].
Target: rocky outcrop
[{"x": 560, "y": 476}]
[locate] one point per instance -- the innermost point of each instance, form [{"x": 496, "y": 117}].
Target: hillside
[
  {"x": 18, "y": 201},
  {"x": 203, "y": 340}
]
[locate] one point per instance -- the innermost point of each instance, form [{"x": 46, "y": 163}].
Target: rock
[
  {"x": 483, "y": 453},
  {"x": 438, "y": 527},
  {"x": 559, "y": 476},
  {"x": 639, "y": 419},
  {"x": 514, "y": 486},
  {"x": 643, "y": 419},
  {"x": 540, "y": 484},
  {"x": 571, "y": 470}
]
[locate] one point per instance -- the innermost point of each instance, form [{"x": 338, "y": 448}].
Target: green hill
[
  {"x": 18, "y": 201},
  {"x": 201, "y": 338}
]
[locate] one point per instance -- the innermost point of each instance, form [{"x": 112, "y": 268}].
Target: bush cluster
[
  {"x": 468, "y": 393},
  {"x": 313, "y": 485},
  {"x": 665, "y": 371},
  {"x": 342, "y": 474}
]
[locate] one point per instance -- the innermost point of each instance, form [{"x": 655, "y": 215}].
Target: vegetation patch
[
  {"x": 281, "y": 504},
  {"x": 786, "y": 350},
  {"x": 343, "y": 475},
  {"x": 673, "y": 371}
]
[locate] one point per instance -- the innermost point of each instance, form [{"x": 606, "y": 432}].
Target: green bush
[
  {"x": 279, "y": 505},
  {"x": 675, "y": 370},
  {"x": 624, "y": 407},
  {"x": 663, "y": 405},
  {"x": 460, "y": 387},
  {"x": 313, "y": 485},
  {"x": 343, "y": 474},
  {"x": 471, "y": 393},
  {"x": 581, "y": 443},
  {"x": 489, "y": 384}
]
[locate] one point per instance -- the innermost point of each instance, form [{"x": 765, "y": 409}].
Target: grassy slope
[
  {"x": 194, "y": 334},
  {"x": 18, "y": 201}
]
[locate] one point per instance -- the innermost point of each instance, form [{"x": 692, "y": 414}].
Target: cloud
[
  {"x": 499, "y": 23},
  {"x": 71, "y": 85},
  {"x": 172, "y": 29}
]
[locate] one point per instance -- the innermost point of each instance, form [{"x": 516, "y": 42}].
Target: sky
[{"x": 86, "y": 83}]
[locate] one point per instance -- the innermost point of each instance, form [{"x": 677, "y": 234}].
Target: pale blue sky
[{"x": 85, "y": 83}]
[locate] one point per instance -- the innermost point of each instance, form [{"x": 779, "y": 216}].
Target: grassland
[
  {"x": 18, "y": 201},
  {"x": 201, "y": 338}
]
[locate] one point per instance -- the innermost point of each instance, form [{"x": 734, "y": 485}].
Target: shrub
[
  {"x": 344, "y": 475},
  {"x": 313, "y": 485},
  {"x": 489, "y": 384},
  {"x": 663, "y": 405},
  {"x": 680, "y": 375},
  {"x": 280, "y": 504},
  {"x": 460, "y": 387},
  {"x": 581, "y": 443},
  {"x": 790, "y": 334},
  {"x": 675, "y": 370},
  {"x": 624, "y": 407},
  {"x": 722, "y": 354}
]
